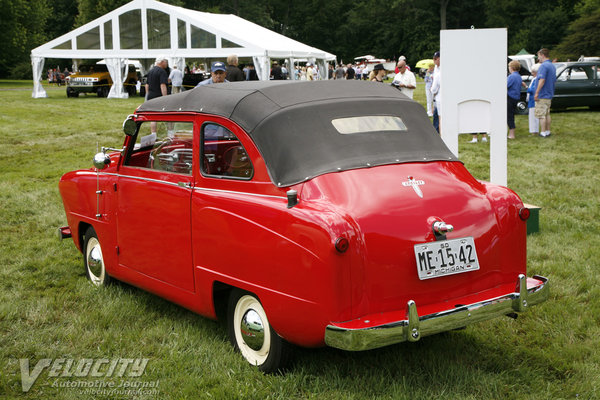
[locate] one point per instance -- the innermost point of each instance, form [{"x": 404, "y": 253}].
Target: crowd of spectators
[
  {"x": 55, "y": 76},
  {"x": 540, "y": 90}
]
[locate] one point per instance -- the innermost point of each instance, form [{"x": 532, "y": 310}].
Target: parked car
[
  {"x": 95, "y": 78},
  {"x": 311, "y": 213},
  {"x": 577, "y": 85}
]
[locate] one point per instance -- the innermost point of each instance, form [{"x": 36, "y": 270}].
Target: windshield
[{"x": 90, "y": 69}]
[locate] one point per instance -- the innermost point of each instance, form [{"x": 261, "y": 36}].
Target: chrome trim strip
[
  {"x": 245, "y": 193},
  {"x": 195, "y": 187},
  {"x": 143, "y": 178},
  {"x": 416, "y": 327}
]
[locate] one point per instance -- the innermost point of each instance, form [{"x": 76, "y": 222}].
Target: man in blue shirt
[
  {"x": 217, "y": 74},
  {"x": 545, "y": 91}
]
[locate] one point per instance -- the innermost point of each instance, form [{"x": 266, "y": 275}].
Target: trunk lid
[{"x": 393, "y": 208}]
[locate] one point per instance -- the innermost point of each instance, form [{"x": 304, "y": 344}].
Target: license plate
[{"x": 446, "y": 257}]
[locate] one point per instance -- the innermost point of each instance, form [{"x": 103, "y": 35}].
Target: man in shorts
[{"x": 545, "y": 91}]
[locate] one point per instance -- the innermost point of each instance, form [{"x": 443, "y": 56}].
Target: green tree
[
  {"x": 21, "y": 29},
  {"x": 582, "y": 37},
  {"x": 61, "y": 18}
]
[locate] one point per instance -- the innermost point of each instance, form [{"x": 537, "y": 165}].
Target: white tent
[{"x": 146, "y": 29}]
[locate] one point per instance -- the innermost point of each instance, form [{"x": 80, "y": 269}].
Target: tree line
[{"x": 385, "y": 29}]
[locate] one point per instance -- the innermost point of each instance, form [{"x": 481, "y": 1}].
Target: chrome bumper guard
[{"x": 415, "y": 327}]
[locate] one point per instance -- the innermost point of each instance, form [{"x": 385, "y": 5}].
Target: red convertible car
[{"x": 311, "y": 213}]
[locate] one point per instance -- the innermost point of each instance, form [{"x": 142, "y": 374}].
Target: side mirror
[
  {"x": 129, "y": 126},
  {"x": 101, "y": 161}
]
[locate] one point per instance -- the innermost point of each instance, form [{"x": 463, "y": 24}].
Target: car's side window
[
  {"x": 164, "y": 146},
  {"x": 577, "y": 73},
  {"x": 222, "y": 153}
]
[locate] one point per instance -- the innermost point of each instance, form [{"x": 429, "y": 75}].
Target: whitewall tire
[
  {"x": 93, "y": 259},
  {"x": 251, "y": 333}
]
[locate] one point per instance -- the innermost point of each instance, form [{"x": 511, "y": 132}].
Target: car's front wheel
[
  {"x": 103, "y": 90},
  {"x": 251, "y": 334},
  {"x": 93, "y": 260}
]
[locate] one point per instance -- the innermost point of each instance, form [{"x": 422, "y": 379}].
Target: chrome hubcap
[
  {"x": 252, "y": 329},
  {"x": 95, "y": 263}
]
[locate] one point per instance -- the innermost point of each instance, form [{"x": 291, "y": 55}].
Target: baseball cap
[
  {"x": 436, "y": 54},
  {"x": 217, "y": 66},
  {"x": 378, "y": 67}
]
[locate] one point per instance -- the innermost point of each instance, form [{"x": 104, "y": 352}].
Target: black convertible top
[{"x": 291, "y": 124}]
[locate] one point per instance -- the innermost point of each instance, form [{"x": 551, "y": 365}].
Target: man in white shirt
[
  {"x": 405, "y": 80},
  {"x": 176, "y": 79}
]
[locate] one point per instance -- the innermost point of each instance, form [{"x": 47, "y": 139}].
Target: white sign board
[{"x": 473, "y": 78}]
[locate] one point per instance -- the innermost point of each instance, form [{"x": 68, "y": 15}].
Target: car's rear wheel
[
  {"x": 250, "y": 333},
  {"x": 93, "y": 259}
]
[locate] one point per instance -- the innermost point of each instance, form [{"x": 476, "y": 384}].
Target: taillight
[{"x": 524, "y": 213}]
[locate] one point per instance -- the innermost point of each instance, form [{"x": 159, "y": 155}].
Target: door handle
[{"x": 184, "y": 185}]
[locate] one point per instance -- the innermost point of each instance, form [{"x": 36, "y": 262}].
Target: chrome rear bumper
[{"x": 415, "y": 327}]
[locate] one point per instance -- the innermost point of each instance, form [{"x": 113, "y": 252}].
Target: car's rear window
[{"x": 366, "y": 124}]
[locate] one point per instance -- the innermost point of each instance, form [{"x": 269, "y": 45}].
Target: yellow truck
[{"x": 96, "y": 79}]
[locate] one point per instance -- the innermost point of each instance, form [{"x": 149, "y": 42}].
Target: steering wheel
[
  {"x": 166, "y": 141},
  {"x": 235, "y": 158}
]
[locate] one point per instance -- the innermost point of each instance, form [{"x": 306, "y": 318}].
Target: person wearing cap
[
  {"x": 378, "y": 73},
  {"x": 405, "y": 80},
  {"x": 217, "y": 74},
  {"x": 157, "y": 79}
]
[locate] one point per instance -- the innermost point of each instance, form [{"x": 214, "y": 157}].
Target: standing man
[
  {"x": 436, "y": 91},
  {"x": 339, "y": 72},
  {"x": 405, "y": 80},
  {"x": 156, "y": 82},
  {"x": 428, "y": 82},
  {"x": 217, "y": 74},
  {"x": 544, "y": 93},
  {"x": 176, "y": 79},
  {"x": 233, "y": 72},
  {"x": 513, "y": 91},
  {"x": 252, "y": 75},
  {"x": 309, "y": 72},
  {"x": 350, "y": 72},
  {"x": 276, "y": 72}
]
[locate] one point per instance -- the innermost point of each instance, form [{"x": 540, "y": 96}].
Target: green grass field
[{"x": 48, "y": 310}]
